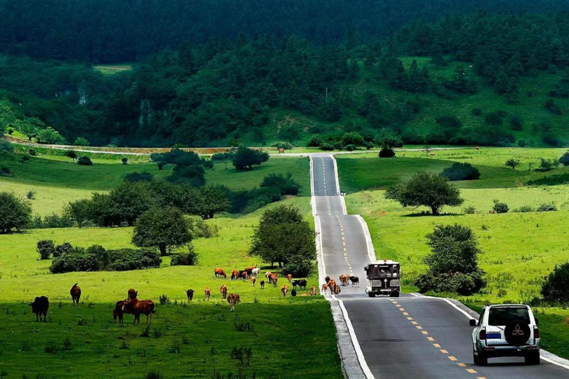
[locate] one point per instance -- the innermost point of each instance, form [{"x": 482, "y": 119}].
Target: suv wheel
[
  {"x": 480, "y": 359},
  {"x": 532, "y": 359}
]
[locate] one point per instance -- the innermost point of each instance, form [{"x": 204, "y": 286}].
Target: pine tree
[{"x": 502, "y": 85}]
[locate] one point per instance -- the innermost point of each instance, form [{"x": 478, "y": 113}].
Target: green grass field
[
  {"x": 191, "y": 340},
  {"x": 57, "y": 180},
  {"x": 520, "y": 249}
]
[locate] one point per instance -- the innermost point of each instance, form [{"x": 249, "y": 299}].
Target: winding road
[{"x": 408, "y": 337}]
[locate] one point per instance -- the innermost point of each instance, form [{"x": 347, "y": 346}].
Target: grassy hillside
[
  {"x": 57, "y": 180},
  {"x": 519, "y": 249}
]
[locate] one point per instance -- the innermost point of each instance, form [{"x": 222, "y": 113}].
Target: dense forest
[
  {"x": 110, "y": 31},
  {"x": 265, "y": 87}
]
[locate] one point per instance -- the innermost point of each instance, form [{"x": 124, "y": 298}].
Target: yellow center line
[
  {"x": 431, "y": 339},
  {"x": 414, "y": 322},
  {"x": 444, "y": 351},
  {"x": 436, "y": 345},
  {"x": 409, "y": 318},
  {"x": 402, "y": 310},
  {"x": 425, "y": 332},
  {"x": 406, "y": 314},
  {"x": 471, "y": 370},
  {"x": 481, "y": 377},
  {"x": 462, "y": 364},
  {"x": 452, "y": 358},
  {"x": 419, "y": 327}
]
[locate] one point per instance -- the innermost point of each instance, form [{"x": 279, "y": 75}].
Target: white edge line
[
  {"x": 337, "y": 179},
  {"x": 358, "y": 349},
  {"x": 369, "y": 243},
  {"x": 321, "y": 273},
  {"x": 565, "y": 366}
]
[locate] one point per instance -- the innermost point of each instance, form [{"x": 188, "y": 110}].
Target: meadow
[
  {"x": 519, "y": 249},
  {"x": 192, "y": 339}
]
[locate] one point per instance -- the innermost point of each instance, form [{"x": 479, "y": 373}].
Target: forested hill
[
  {"x": 111, "y": 31},
  {"x": 491, "y": 79}
]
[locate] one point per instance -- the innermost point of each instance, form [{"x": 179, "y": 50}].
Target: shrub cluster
[
  {"x": 461, "y": 171},
  {"x": 554, "y": 289},
  {"x": 96, "y": 258},
  {"x": 500, "y": 207},
  {"x": 185, "y": 259},
  {"x": 51, "y": 221}
]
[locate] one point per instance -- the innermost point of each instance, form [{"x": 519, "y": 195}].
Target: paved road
[{"x": 406, "y": 337}]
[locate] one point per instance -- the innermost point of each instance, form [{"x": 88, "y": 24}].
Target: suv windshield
[{"x": 504, "y": 315}]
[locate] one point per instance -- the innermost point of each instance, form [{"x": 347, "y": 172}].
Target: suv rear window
[{"x": 504, "y": 316}]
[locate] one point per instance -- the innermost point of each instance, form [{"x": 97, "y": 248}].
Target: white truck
[{"x": 383, "y": 278}]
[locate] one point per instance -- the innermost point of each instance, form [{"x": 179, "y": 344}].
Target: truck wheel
[
  {"x": 371, "y": 294},
  {"x": 394, "y": 294}
]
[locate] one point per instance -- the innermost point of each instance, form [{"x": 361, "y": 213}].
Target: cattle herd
[{"x": 132, "y": 305}]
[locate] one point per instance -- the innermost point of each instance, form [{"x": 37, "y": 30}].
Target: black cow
[
  {"x": 300, "y": 282},
  {"x": 190, "y": 294},
  {"x": 293, "y": 292},
  {"x": 262, "y": 284},
  {"x": 40, "y": 306},
  {"x": 355, "y": 281}
]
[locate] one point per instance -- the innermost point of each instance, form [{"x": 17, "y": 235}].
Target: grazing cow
[
  {"x": 332, "y": 285},
  {"x": 118, "y": 312},
  {"x": 324, "y": 288},
  {"x": 75, "y": 294},
  {"x": 313, "y": 291},
  {"x": 218, "y": 272},
  {"x": 223, "y": 291},
  {"x": 355, "y": 281},
  {"x": 244, "y": 274},
  {"x": 234, "y": 275},
  {"x": 293, "y": 292},
  {"x": 274, "y": 279},
  {"x": 268, "y": 276},
  {"x": 207, "y": 292},
  {"x": 289, "y": 277},
  {"x": 327, "y": 279},
  {"x": 337, "y": 290},
  {"x": 403, "y": 154},
  {"x": 284, "y": 290},
  {"x": 253, "y": 281},
  {"x": 190, "y": 294},
  {"x": 344, "y": 279},
  {"x": 233, "y": 299},
  {"x": 262, "y": 284},
  {"x": 256, "y": 272},
  {"x": 132, "y": 293},
  {"x": 301, "y": 283},
  {"x": 491, "y": 211},
  {"x": 432, "y": 154},
  {"x": 40, "y": 306},
  {"x": 137, "y": 307}
]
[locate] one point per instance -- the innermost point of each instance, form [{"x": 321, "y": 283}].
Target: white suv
[{"x": 506, "y": 331}]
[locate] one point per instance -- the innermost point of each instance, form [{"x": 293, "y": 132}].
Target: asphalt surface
[{"x": 407, "y": 337}]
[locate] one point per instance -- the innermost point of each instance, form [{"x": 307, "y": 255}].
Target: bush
[
  {"x": 386, "y": 152},
  {"x": 469, "y": 210},
  {"x": 5, "y": 171},
  {"x": 45, "y": 248},
  {"x": 96, "y": 258},
  {"x": 31, "y": 194},
  {"x": 135, "y": 177},
  {"x": 315, "y": 141},
  {"x": 461, "y": 171},
  {"x": 286, "y": 184},
  {"x": 564, "y": 160},
  {"x": 246, "y": 158},
  {"x": 64, "y": 248},
  {"x": 550, "y": 180},
  {"x": 201, "y": 229},
  {"x": 185, "y": 259},
  {"x": 298, "y": 268},
  {"x": 222, "y": 156},
  {"x": 477, "y": 112},
  {"x": 6, "y": 146},
  {"x": 524, "y": 209},
  {"x": 500, "y": 207},
  {"x": 517, "y": 122},
  {"x": 51, "y": 221},
  {"x": 326, "y": 147},
  {"x": 554, "y": 289},
  {"x": 547, "y": 165},
  {"x": 547, "y": 207},
  {"x": 85, "y": 161},
  {"x": 463, "y": 284},
  {"x": 32, "y": 152},
  {"x": 124, "y": 160},
  {"x": 80, "y": 141}
]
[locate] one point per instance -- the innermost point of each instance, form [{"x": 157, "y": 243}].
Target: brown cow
[
  {"x": 40, "y": 306},
  {"x": 253, "y": 281},
  {"x": 118, "y": 312},
  {"x": 137, "y": 307},
  {"x": 289, "y": 277},
  {"x": 337, "y": 290},
  {"x": 207, "y": 292},
  {"x": 332, "y": 285},
  {"x": 132, "y": 293},
  {"x": 75, "y": 294},
  {"x": 223, "y": 291},
  {"x": 344, "y": 279},
  {"x": 235, "y": 275},
  {"x": 324, "y": 288},
  {"x": 274, "y": 279},
  {"x": 268, "y": 276},
  {"x": 284, "y": 290},
  {"x": 313, "y": 291},
  {"x": 244, "y": 275},
  {"x": 219, "y": 272},
  {"x": 327, "y": 279},
  {"x": 233, "y": 299}
]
